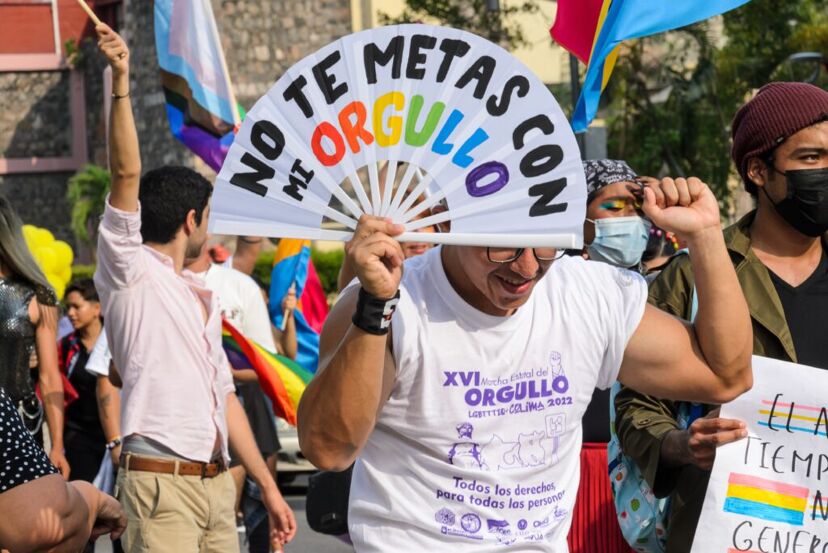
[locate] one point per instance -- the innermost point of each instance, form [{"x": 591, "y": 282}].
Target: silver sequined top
[{"x": 17, "y": 338}]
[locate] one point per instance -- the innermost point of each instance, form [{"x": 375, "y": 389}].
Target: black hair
[
  {"x": 16, "y": 255},
  {"x": 85, "y": 287},
  {"x": 658, "y": 245},
  {"x": 167, "y": 195}
]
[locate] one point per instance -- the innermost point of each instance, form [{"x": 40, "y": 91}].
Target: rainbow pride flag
[
  {"x": 605, "y": 24},
  {"x": 292, "y": 266},
  {"x": 201, "y": 107},
  {"x": 766, "y": 499},
  {"x": 281, "y": 379}
]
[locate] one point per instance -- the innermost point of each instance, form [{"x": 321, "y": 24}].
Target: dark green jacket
[{"x": 642, "y": 421}]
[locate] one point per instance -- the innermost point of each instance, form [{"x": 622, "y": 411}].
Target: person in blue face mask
[
  {"x": 615, "y": 231},
  {"x": 780, "y": 150}
]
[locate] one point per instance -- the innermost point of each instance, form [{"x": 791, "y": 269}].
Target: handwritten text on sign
[{"x": 769, "y": 492}]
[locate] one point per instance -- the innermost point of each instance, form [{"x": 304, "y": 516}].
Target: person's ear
[
  {"x": 757, "y": 171},
  {"x": 190, "y": 224}
]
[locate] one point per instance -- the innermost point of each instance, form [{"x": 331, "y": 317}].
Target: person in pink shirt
[{"x": 179, "y": 410}]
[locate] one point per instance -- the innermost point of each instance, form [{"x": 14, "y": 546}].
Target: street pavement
[{"x": 306, "y": 540}]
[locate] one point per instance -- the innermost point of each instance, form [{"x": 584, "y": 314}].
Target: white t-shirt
[
  {"x": 241, "y": 303},
  {"x": 99, "y": 357},
  {"x": 477, "y": 449}
]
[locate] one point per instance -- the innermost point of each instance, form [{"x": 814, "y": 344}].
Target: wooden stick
[
  {"x": 287, "y": 313},
  {"x": 89, "y": 12}
]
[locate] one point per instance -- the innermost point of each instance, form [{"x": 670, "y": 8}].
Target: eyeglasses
[{"x": 508, "y": 255}]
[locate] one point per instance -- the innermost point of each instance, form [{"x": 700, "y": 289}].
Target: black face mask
[{"x": 805, "y": 206}]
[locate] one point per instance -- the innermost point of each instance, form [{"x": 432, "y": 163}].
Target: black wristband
[{"x": 373, "y": 314}]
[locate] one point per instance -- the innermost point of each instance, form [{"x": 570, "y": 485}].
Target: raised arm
[
  {"x": 340, "y": 406},
  {"x": 287, "y": 337},
  {"x": 709, "y": 360},
  {"x": 124, "y": 155}
]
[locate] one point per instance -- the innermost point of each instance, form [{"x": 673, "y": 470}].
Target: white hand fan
[{"x": 421, "y": 124}]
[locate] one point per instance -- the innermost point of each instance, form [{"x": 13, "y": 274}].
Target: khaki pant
[{"x": 179, "y": 514}]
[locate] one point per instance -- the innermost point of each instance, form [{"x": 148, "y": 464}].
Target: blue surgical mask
[{"x": 619, "y": 241}]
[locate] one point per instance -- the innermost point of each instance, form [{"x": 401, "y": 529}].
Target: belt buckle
[{"x": 204, "y": 470}]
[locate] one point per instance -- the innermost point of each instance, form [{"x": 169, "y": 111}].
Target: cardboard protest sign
[
  {"x": 769, "y": 492},
  {"x": 394, "y": 122}
]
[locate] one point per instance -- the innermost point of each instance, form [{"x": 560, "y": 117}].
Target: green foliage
[
  {"x": 263, "y": 267},
  {"x": 470, "y": 15},
  {"x": 702, "y": 81},
  {"x": 86, "y": 194},
  {"x": 327, "y": 266},
  {"x": 74, "y": 55},
  {"x": 82, "y": 271}
]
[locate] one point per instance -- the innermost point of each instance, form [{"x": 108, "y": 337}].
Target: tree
[
  {"x": 672, "y": 96},
  {"x": 86, "y": 194},
  {"x": 470, "y": 15}
]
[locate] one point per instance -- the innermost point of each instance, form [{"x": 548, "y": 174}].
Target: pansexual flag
[
  {"x": 201, "y": 108},
  {"x": 604, "y": 24},
  {"x": 281, "y": 379},
  {"x": 292, "y": 266},
  {"x": 766, "y": 499}
]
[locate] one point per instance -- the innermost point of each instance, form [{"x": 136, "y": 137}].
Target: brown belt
[{"x": 184, "y": 468}]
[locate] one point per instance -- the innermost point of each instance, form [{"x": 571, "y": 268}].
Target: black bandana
[{"x": 603, "y": 172}]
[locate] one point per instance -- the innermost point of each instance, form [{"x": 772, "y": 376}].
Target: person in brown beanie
[{"x": 780, "y": 149}]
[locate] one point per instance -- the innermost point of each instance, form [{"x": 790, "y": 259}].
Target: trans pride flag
[
  {"x": 281, "y": 379},
  {"x": 292, "y": 266},
  {"x": 594, "y": 29},
  {"x": 201, "y": 108}
]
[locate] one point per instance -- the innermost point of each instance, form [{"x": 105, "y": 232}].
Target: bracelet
[
  {"x": 120, "y": 96},
  {"x": 373, "y": 314},
  {"x": 113, "y": 443}
]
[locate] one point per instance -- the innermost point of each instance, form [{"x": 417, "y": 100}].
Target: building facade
[{"x": 52, "y": 85}]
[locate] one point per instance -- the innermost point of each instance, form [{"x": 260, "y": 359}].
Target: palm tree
[{"x": 86, "y": 193}]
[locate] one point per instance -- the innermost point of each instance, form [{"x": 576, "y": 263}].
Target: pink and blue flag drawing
[
  {"x": 292, "y": 266},
  {"x": 201, "y": 107},
  {"x": 594, "y": 29}
]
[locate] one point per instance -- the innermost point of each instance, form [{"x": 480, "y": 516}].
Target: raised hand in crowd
[
  {"x": 289, "y": 302},
  {"x": 697, "y": 444},
  {"x": 375, "y": 256},
  {"x": 124, "y": 153}
]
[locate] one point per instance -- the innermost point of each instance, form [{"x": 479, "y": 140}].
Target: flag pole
[
  {"x": 285, "y": 314},
  {"x": 89, "y": 12},
  {"x": 575, "y": 88}
]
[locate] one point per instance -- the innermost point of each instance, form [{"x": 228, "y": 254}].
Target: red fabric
[
  {"x": 68, "y": 347},
  {"x": 576, "y": 23},
  {"x": 594, "y": 526},
  {"x": 314, "y": 302}
]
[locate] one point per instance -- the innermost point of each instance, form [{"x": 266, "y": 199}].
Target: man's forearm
[
  {"x": 109, "y": 408},
  {"x": 124, "y": 153},
  {"x": 244, "y": 445},
  {"x": 288, "y": 337},
  {"x": 339, "y": 408},
  {"x": 674, "y": 452},
  {"x": 722, "y": 324}
]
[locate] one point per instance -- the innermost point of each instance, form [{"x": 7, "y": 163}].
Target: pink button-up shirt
[{"x": 175, "y": 374}]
